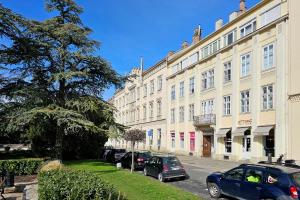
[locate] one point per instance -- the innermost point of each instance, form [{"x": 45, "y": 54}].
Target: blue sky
[{"x": 129, "y": 29}]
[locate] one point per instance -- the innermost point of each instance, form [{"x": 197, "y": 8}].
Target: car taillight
[
  {"x": 294, "y": 192},
  {"x": 165, "y": 168},
  {"x": 140, "y": 159}
]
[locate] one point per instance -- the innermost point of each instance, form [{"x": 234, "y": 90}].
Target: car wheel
[
  {"x": 214, "y": 190},
  {"x": 161, "y": 177},
  {"x": 145, "y": 172}
]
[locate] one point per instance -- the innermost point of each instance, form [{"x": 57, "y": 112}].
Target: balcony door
[{"x": 206, "y": 146}]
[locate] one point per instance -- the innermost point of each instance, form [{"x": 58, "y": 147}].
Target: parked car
[
  {"x": 257, "y": 181},
  {"x": 164, "y": 167},
  {"x": 113, "y": 155},
  {"x": 139, "y": 159}
]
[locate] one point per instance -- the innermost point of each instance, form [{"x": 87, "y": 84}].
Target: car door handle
[{"x": 238, "y": 184}]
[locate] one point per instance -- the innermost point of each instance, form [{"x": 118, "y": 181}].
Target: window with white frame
[
  {"x": 248, "y": 28},
  {"x": 191, "y": 112},
  {"x": 227, "y": 72},
  {"x": 144, "y": 112},
  {"x": 151, "y": 109},
  {"x": 230, "y": 38},
  {"x": 138, "y": 114},
  {"x": 211, "y": 48},
  {"x": 174, "y": 68},
  {"x": 181, "y": 89},
  {"x": 159, "y": 83},
  {"x": 173, "y": 94},
  {"x": 208, "y": 79},
  {"x": 192, "y": 85},
  {"x": 268, "y": 52},
  {"x": 181, "y": 140},
  {"x": 159, "y": 107},
  {"x": 245, "y": 101},
  {"x": 270, "y": 15},
  {"x": 245, "y": 64},
  {"x": 267, "y": 97},
  {"x": 172, "y": 115},
  {"x": 184, "y": 63},
  {"x": 227, "y": 105},
  {"x": 145, "y": 90},
  {"x": 151, "y": 86},
  {"x": 194, "y": 58},
  {"x": 207, "y": 106},
  {"x": 181, "y": 114}
]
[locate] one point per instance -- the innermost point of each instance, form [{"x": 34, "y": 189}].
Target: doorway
[
  {"x": 206, "y": 146},
  {"x": 247, "y": 146}
]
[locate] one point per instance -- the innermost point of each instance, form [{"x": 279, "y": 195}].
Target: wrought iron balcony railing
[{"x": 205, "y": 120}]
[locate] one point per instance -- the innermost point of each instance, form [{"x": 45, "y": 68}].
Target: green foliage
[
  {"x": 73, "y": 185},
  {"x": 22, "y": 166}
]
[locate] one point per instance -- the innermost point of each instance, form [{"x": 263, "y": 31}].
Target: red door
[{"x": 206, "y": 146}]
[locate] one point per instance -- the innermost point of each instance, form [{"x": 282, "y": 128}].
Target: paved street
[{"x": 198, "y": 169}]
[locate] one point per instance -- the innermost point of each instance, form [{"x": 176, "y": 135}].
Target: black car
[
  {"x": 139, "y": 159},
  {"x": 113, "y": 155},
  {"x": 164, "y": 167},
  {"x": 257, "y": 181}
]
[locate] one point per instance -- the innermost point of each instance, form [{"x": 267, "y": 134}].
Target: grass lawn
[{"x": 135, "y": 186}]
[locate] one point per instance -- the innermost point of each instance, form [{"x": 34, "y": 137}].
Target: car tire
[
  {"x": 214, "y": 190},
  {"x": 145, "y": 172},
  {"x": 160, "y": 177}
]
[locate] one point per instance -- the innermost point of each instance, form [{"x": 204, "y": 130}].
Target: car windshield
[
  {"x": 296, "y": 177},
  {"x": 120, "y": 150},
  {"x": 173, "y": 161}
]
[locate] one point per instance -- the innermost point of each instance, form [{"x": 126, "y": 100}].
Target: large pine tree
[{"x": 53, "y": 80}]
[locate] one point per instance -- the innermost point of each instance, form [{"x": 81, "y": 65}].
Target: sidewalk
[{"x": 208, "y": 164}]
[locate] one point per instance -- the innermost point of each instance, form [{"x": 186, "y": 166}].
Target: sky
[{"x": 129, "y": 29}]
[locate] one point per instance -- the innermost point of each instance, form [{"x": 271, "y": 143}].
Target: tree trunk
[
  {"x": 58, "y": 144},
  {"x": 132, "y": 156}
]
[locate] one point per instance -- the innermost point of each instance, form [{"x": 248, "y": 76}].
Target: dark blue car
[{"x": 260, "y": 181}]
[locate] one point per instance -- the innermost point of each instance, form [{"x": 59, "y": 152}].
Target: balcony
[{"x": 205, "y": 120}]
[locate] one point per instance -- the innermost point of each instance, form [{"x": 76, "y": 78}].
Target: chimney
[
  {"x": 242, "y": 6},
  {"x": 184, "y": 45},
  {"x": 232, "y": 16},
  {"x": 197, "y": 35},
  {"x": 171, "y": 53},
  {"x": 219, "y": 24}
]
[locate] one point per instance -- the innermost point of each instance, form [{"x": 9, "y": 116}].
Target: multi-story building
[{"x": 234, "y": 94}]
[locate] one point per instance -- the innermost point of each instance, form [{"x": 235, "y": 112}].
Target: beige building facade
[{"x": 234, "y": 94}]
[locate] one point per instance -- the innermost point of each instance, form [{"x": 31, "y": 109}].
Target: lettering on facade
[{"x": 245, "y": 122}]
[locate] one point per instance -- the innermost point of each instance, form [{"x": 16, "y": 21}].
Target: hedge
[
  {"x": 73, "y": 185},
  {"x": 21, "y": 166}
]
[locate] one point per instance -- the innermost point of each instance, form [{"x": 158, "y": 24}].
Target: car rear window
[
  {"x": 146, "y": 155},
  {"x": 296, "y": 177},
  {"x": 172, "y": 161}
]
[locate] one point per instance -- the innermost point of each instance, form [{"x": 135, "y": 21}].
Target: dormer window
[{"x": 248, "y": 28}]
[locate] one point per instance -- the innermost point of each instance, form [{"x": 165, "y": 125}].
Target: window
[
  {"x": 145, "y": 90},
  {"x": 245, "y": 101},
  {"x": 267, "y": 97},
  {"x": 173, "y": 140},
  {"x": 254, "y": 176},
  {"x": 151, "y": 86},
  {"x": 181, "y": 114},
  {"x": 192, "y": 85},
  {"x": 226, "y": 105},
  {"x": 235, "y": 174},
  {"x": 270, "y": 15},
  {"x": 159, "y": 83},
  {"x": 228, "y": 142},
  {"x": 184, "y": 63},
  {"x": 138, "y": 114},
  {"x": 151, "y": 109},
  {"x": 211, "y": 48},
  {"x": 159, "y": 108},
  {"x": 173, "y": 94},
  {"x": 268, "y": 57},
  {"x": 269, "y": 143},
  {"x": 182, "y": 140},
  {"x": 181, "y": 89},
  {"x": 245, "y": 65},
  {"x": 172, "y": 115},
  {"x": 227, "y": 72},
  {"x": 138, "y": 93},
  {"x": 191, "y": 112},
  {"x": 230, "y": 38},
  {"x": 208, "y": 79},
  {"x": 174, "y": 68},
  {"x": 158, "y": 138},
  {"x": 248, "y": 28},
  {"x": 145, "y": 112},
  {"x": 207, "y": 107},
  {"x": 194, "y": 58}
]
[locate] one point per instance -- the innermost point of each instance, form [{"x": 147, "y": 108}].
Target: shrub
[
  {"x": 73, "y": 185},
  {"x": 22, "y": 166},
  {"x": 52, "y": 165}
]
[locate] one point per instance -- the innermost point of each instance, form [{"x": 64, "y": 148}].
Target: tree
[
  {"x": 133, "y": 136},
  {"x": 53, "y": 79}
]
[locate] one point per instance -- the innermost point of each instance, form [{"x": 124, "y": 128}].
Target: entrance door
[
  {"x": 206, "y": 146},
  {"x": 247, "y": 146}
]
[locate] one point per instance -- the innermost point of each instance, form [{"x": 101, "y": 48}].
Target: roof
[{"x": 275, "y": 166}]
